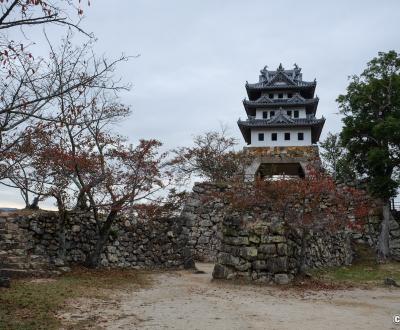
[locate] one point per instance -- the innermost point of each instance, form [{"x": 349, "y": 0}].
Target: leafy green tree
[
  {"x": 371, "y": 133},
  {"x": 331, "y": 152},
  {"x": 336, "y": 159}
]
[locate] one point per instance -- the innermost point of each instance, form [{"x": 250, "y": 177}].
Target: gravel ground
[{"x": 183, "y": 300}]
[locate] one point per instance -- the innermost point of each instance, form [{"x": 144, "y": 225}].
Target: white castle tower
[{"x": 281, "y": 127}]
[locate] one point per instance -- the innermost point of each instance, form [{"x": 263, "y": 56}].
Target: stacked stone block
[
  {"x": 33, "y": 236},
  {"x": 17, "y": 255},
  {"x": 203, "y": 213},
  {"x": 262, "y": 250}
]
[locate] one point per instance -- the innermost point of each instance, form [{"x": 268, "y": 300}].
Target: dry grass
[
  {"x": 364, "y": 271},
  {"x": 33, "y": 304}
]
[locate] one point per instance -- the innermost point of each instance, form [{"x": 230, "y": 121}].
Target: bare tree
[
  {"x": 45, "y": 158},
  {"x": 30, "y": 91},
  {"x": 27, "y": 82},
  {"x": 27, "y": 13}
]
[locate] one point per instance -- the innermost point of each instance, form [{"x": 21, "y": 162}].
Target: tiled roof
[
  {"x": 281, "y": 78},
  {"x": 296, "y": 99},
  {"x": 316, "y": 125},
  {"x": 281, "y": 121},
  {"x": 266, "y": 85}
]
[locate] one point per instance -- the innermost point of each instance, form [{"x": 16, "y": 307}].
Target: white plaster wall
[
  {"x": 276, "y": 94},
  {"x": 280, "y": 142},
  {"x": 302, "y": 112}
]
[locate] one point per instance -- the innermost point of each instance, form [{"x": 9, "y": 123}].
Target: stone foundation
[
  {"x": 281, "y": 156},
  {"x": 205, "y": 212},
  {"x": 262, "y": 250}
]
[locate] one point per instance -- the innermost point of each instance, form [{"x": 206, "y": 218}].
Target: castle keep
[{"x": 281, "y": 129}]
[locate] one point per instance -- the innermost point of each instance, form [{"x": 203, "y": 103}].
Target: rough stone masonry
[
  {"x": 261, "y": 250},
  {"x": 29, "y": 242},
  {"x": 240, "y": 252},
  {"x": 205, "y": 231}
]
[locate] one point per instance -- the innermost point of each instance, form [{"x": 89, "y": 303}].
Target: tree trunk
[
  {"x": 383, "y": 239},
  {"x": 301, "y": 268},
  {"x": 35, "y": 204},
  {"x": 62, "y": 249},
  {"x": 81, "y": 203},
  {"x": 62, "y": 215},
  {"x": 25, "y": 197},
  {"x": 93, "y": 259}
]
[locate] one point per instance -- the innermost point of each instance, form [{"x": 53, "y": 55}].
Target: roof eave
[
  {"x": 245, "y": 130},
  {"x": 316, "y": 130},
  {"x": 275, "y": 87},
  {"x": 310, "y": 103}
]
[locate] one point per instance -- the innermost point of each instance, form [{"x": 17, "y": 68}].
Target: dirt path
[{"x": 182, "y": 300}]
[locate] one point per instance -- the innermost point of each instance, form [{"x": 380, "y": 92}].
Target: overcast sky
[{"x": 195, "y": 56}]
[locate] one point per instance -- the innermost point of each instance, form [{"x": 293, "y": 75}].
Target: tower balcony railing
[{"x": 251, "y": 118}]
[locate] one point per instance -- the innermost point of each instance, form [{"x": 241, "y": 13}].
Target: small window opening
[
  {"x": 274, "y": 136},
  {"x": 287, "y": 136}
]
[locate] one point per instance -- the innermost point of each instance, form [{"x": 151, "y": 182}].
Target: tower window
[
  {"x": 289, "y": 113},
  {"x": 287, "y": 136},
  {"x": 280, "y": 95},
  {"x": 296, "y": 113},
  {"x": 300, "y": 136},
  {"x": 274, "y": 136},
  {"x": 272, "y": 113},
  {"x": 271, "y": 96},
  {"x": 260, "y": 136},
  {"x": 289, "y": 95},
  {"x": 265, "y": 114}
]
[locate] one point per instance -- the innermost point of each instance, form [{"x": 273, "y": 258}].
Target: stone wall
[
  {"x": 394, "y": 243},
  {"x": 372, "y": 229},
  {"x": 17, "y": 256},
  {"x": 261, "y": 250},
  {"x": 303, "y": 155},
  {"x": 132, "y": 243},
  {"x": 203, "y": 213},
  {"x": 307, "y": 153}
]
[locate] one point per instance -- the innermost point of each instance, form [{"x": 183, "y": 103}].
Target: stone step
[
  {"x": 14, "y": 265},
  {"x": 37, "y": 257},
  {"x": 14, "y": 259},
  {"x": 14, "y": 252},
  {"x": 9, "y": 229},
  {"x": 23, "y": 239},
  {"x": 20, "y": 273},
  {"x": 25, "y": 265},
  {"x": 38, "y": 265},
  {"x": 8, "y": 245}
]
